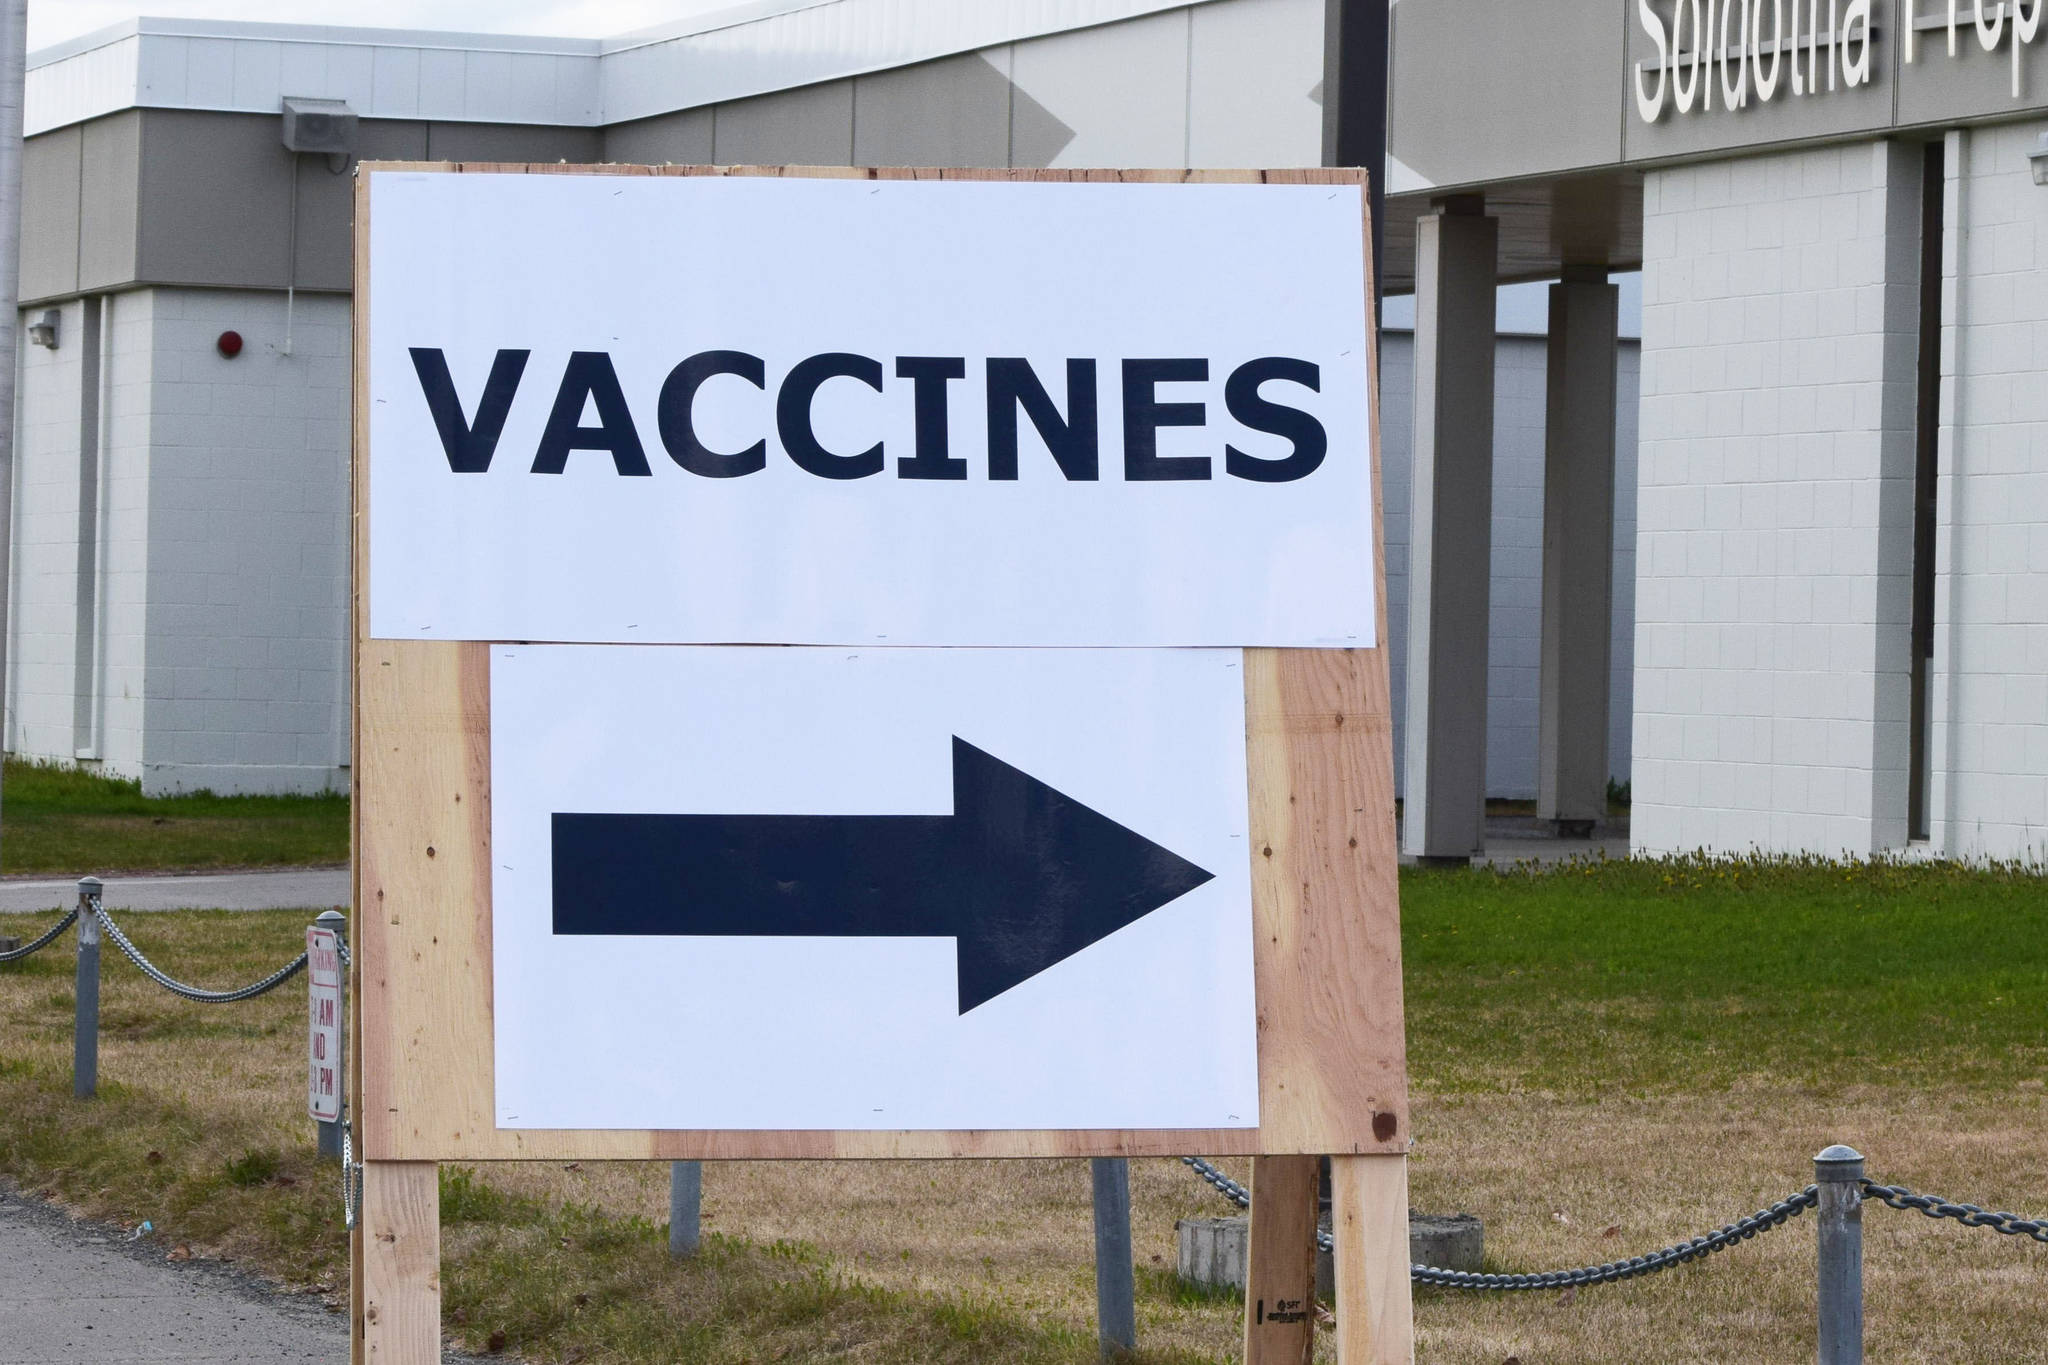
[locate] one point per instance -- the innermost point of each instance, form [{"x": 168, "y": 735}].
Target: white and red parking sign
[{"x": 323, "y": 1024}]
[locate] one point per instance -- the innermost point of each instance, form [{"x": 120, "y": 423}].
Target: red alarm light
[{"x": 229, "y": 344}]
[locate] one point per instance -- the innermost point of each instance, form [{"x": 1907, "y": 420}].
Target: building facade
[
  {"x": 1781, "y": 562},
  {"x": 1841, "y": 217}
]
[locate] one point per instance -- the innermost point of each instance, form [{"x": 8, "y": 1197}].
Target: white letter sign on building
[{"x": 787, "y": 411}]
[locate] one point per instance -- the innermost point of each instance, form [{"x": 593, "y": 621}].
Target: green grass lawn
[
  {"x": 1648, "y": 976},
  {"x": 65, "y": 822},
  {"x": 1606, "y": 1057}
]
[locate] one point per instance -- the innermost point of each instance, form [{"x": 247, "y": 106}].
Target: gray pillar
[
  {"x": 85, "y": 995},
  {"x": 685, "y": 1207},
  {"x": 1116, "y": 1312},
  {"x": 1838, "y": 1172},
  {"x": 1578, "y": 550},
  {"x": 1450, "y": 532}
]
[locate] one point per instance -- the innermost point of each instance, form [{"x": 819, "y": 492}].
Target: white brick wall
[
  {"x": 127, "y": 420},
  {"x": 248, "y": 544},
  {"x": 224, "y": 554},
  {"x": 1988, "y": 731},
  {"x": 1515, "y": 618},
  {"x": 1775, "y": 532},
  {"x": 42, "y": 618}
]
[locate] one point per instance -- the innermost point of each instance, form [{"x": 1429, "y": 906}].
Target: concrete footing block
[
  {"x": 9, "y": 944},
  {"x": 1213, "y": 1251}
]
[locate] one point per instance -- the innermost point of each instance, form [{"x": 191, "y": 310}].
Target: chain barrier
[
  {"x": 1969, "y": 1215},
  {"x": 17, "y": 954},
  {"x": 1741, "y": 1230},
  {"x": 175, "y": 987}
]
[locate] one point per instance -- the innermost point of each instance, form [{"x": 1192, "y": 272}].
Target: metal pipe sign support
[
  {"x": 85, "y": 1038},
  {"x": 1838, "y": 1172},
  {"x": 685, "y": 1207},
  {"x": 1116, "y": 1311}
]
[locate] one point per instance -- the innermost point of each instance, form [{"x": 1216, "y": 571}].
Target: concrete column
[
  {"x": 1450, "y": 535},
  {"x": 1578, "y": 551}
]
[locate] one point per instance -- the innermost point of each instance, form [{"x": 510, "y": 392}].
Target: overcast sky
[{"x": 52, "y": 21}]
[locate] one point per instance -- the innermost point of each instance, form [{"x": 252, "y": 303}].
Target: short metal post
[
  {"x": 330, "y": 1131},
  {"x": 1116, "y": 1309},
  {"x": 85, "y": 1035},
  {"x": 685, "y": 1207},
  {"x": 1838, "y": 1172}
]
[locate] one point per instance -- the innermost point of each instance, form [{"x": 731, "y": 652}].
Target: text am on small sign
[
  {"x": 323, "y": 1024},
  {"x": 873, "y": 663}
]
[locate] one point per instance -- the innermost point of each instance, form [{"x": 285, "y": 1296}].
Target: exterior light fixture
[
  {"x": 2039, "y": 159},
  {"x": 43, "y": 331}
]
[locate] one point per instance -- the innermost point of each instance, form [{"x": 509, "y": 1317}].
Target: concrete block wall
[
  {"x": 1988, "y": 730},
  {"x": 43, "y": 608},
  {"x": 209, "y": 650},
  {"x": 1775, "y": 522},
  {"x": 1515, "y": 615},
  {"x": 246, "y": 679},
  {"x": 55, "y": 639},
  {"x": 129, "y": 417}
]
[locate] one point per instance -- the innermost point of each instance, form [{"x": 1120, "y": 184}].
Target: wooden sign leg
[
  {"x": 1369, "y": 1217},
  {"x": 1280, "y": 1268},
  {"x": 396, "y": 1268}
]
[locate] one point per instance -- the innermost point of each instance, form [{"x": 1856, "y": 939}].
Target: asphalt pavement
[
  {"x": 285, "y": 888},
  {"x": 72, "y": 1293}
]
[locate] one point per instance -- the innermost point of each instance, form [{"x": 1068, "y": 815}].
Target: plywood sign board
[{"x": 1066, "y": 827}]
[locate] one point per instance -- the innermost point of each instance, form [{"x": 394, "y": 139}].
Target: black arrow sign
[{"x": 1021, "y": 875}]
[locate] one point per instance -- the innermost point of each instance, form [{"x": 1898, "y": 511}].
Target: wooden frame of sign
[{"x": 1331, "y": 1050}]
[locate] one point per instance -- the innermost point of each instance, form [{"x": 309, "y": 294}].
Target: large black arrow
[{"x": 1021, "y": 875}]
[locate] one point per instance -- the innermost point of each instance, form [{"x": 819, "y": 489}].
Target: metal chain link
[
  {"x": 1763, "y": 1220},
  {"x": 204, "y": 997},
  {"x": 1969, "y": 1215},
  {"x": 17, "y": 954},
  {"x": 351, "y": 1179},
  {"x": 1741, "y": 1230}
]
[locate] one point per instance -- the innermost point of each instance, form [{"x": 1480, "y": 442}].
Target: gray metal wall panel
[
  {"x": 49, "y": 213},
  {"x": 1938, "y": 88},
  {"x": 811, "y": 126},
  {"x": 683, "y": 138},
  {"x": 1121, "y": 90},
  {"x": 512, "y": 142},
  {"x": 110, "y": 203},
  {"x": 325, "y": 258},
  {"x": 951, "y": 112},
  {"x": 1036, "y": 137},
  {"x": 217, "y": 191},
  {"x": 1481, "y": 92},
  {"x": 1786, "y": 118},
  {"x": 218, "y": 188},
  {"x": 1255, "y": 69}
]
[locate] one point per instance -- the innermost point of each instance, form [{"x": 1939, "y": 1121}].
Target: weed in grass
[{"x": 253, "y": 1168}]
